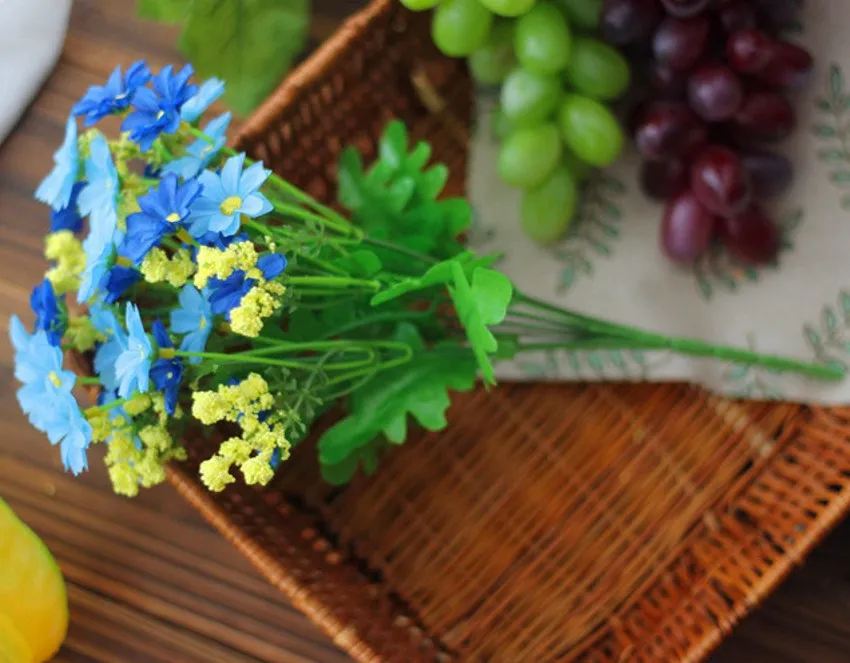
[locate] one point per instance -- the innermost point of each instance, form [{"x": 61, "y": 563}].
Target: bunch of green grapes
[{"x": 556, "y": 77}]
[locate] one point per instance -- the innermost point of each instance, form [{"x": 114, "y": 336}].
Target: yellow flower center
[
  {"x": 167, "y": 353},
  {"x": 230, "y": 205},
  {"x": 160, "y": 115},
  {"x": 121, "y": 261},
  {"x": 54, "y": 379},
  {"x": 174, "y": 217},
  {"x": 202, "y": 324}
]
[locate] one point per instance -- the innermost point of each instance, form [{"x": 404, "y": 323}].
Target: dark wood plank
[{"x": 148, "y": 580}]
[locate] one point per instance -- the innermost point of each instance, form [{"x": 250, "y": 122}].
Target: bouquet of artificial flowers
[{"x": 209, "y": 291}]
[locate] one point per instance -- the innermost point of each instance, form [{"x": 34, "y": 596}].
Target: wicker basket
[{"x": 549, "y": 523}]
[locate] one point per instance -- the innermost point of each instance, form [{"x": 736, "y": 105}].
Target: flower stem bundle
[{"x": 208, "y": 291}]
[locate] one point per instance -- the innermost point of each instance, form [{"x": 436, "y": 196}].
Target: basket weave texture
[{"x": 602, "y": 523}]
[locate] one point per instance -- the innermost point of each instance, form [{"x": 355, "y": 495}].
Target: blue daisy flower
[
  {"x": 55, "y": 190},
  {"x": 210, "y": 90},
  {"x": 166, "y": 374},
  {"x": 100, "y": 101},
  {"x": 68, "y": 218},
  {"x": 163, "y": 211},
  {"x": 157, "y": 111},
  {"x": 227, "y": 196},
  {"x": 73, "y": 433},
  {"x": 117, "y": 281},
  {"x": 97, "y": 200},
  {"x": 99, "y": 257},
  {"x": 107, "y": 353},
  {"x": 194, "y": 318},
  {"x": 227, "y": 294},
  {"x": 200, "y": 153},
  {"x": 49, "y": 317},
  {"x": 132, "y": 368}
]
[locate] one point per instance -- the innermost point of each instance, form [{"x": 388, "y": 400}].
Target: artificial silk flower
[
  {"x": 157, "y": 111},
  {"x": 56, "y": 189},
  {"x": 99, "y": 258},
  {"x": 48, "y": 316},
  {"x": 68, "y": 218},
  {"x": 132, "y": 368},
  {"x": 73, "y": 433},
  {"x": 107, "y": 353},
  {"x": 102, "y": 100},
  {"x": 201, "y": 152},
  {"x": 210, "y": 90},
  {"x": 227, "y": 196},
  {"x": 227, "y": 294},
  {"x": 194, "y": 318},
  {"x": 117, "y": 281},
  {"x": 97, "y": 200},
  {"x": 166, "y": 374},
  {"x": 163, "y": 212}
]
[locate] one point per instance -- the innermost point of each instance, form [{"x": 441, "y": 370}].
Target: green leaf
[
  {"x": 844, "y": 302},
  {"x": 479, "y": 304},
  {"x": 737, "y": 372},
  {"x": 418, "y": 388},
  {"x": 829, "y": 321},
  {"x": 568, "y": 278},
  {"x": 845, "y": 202},
  {"x": 824, "y": 130},
  {"x": 392, "y": 147},
  {"x": 341, "y": 473},
  {"x": 248, "y": 43},
  {"x": 824, "y": 105},
  {"x": 836, "y": 80},
  {"x": 440, "y": 274},
  {"x": 832, "y": 154},
  {"x": 360, "y": 264},
  {"x": 165, "y": 11},
  {"x": 617, "y": 360},
  {"x": 813, "y": 337},
  {"x": 840, "y": 176}
]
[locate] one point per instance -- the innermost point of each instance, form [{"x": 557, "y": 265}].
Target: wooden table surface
[{"x": 147, "y": 579}]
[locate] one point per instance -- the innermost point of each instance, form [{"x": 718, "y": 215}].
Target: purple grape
[
  {"x": 750, "y": 236},
  {"x": 790, "y": 67},
  {"x": 749, "y": 50},
  {"x": 715, "y": 93},
  {"x": 669, "y": 130},
  {"x": 661, "y": 180},
  {"x": 770, "y": 174},
  {"x": 624, "y": 22},
  {"x": 686, "y": 228},
  {"x": 679, "y": 43},
  {"x": 685, "y": 8},
  {"x": 765, "y": 116},
  {"x": 737, "y": 15},
  {"x": 719, "y": 181}
]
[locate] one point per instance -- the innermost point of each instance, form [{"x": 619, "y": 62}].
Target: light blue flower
[
  {"x": 200, "y": 153},
  {"x": 98, "y": 262},
  {"x": 98, "y": 199},
  {"x": 107, "y": 353},
  {"x": 73, "y": 433},
  {"x": 132, "y": 369},
  {"x": 194, "y": 318},
  {"x": 227, "y": 196},
  {"x": 55, "y": 189},
  {"x": 210, "y": 90}
]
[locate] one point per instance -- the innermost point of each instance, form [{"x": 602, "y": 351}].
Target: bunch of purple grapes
[{"x": 717, "y": 75}]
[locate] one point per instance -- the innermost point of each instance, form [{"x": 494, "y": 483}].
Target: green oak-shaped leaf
[
  {"x": 440, "y": 274},
  {"x": 479, "y": 304},
  {"x": 418, "y": 388},
  {"x": 250, "y": 44},
  {"x": 165, "y": 11}
]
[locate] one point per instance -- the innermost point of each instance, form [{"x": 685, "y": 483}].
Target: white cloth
[
  {"x": 610, "y": 265},
  {"x": 31, "y": 37}
]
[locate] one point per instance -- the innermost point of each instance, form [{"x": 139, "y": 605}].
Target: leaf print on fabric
[
  {"x": 829, "y": 338},
  {"x": 718, "y": 272},
  {"x": 594, "y": 231},
  {"x": 833, "y": 129},
  {"x": 588, "y": 364}
]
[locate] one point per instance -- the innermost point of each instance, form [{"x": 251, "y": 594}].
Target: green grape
[
  {"x": 547, "y": 210},
  {"x": 491, "y": 63},
  {"x": 509, "y": 8},
  {"x": 597, "y": 70},
  {"x": 528, "y": 98},
  {"x": 579, "y": 169},
  {"x": 460, "y": 27},
  {"x": 582, "y": 14},
  {"x": 500, "y": 124},
  {"x": 590, "y": 130},
  {"x": 542, "y": 39},
  {"x": 529, "y": 154},
  {"x": 420, "y": 5}
]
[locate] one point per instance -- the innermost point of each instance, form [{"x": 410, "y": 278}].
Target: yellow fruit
[
  {"x": 13, "y": 647},
  {"x": 33, "y": 600}
]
